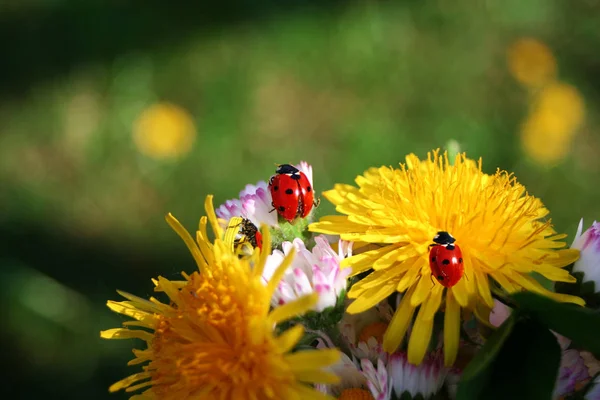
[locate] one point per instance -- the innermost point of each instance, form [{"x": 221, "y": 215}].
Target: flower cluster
[{"x": 426, "y": 270}]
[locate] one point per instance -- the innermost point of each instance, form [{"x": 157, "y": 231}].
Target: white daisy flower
[
  {"x": 594, "y": 392},
  {"x": 572, "y": 370},
  {"x": 311, "y": 271},
  {"x": 306, "y": 168},
  {"x": 426, "y": 379},
  {"x": 254, "y": 204},
  {"x": 356, "y": 381},
  {"x": 350, "y": 376},
  {"x": 378, "y": 380},
  {"x": 588, "y": 243},
  {"x": 363, "y": 333}
]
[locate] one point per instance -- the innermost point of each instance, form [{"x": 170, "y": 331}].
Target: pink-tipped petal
[{"x": 588, "y": 263}]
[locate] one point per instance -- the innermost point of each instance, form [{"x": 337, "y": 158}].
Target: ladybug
[
  {"x": 445, "y": 260},
  {"x": 250, "y": 234},
  {"x": 291, "y": 192}
]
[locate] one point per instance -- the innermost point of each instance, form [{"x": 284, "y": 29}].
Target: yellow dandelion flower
[
  {"x": 531, "y": 62},
  {"x": 215, "y": 338},
  {"x": 500, "y": 228},
  {"x": 164, "y": 131}
]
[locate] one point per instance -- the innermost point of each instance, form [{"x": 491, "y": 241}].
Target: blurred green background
[{"x": 113, "y": 113}]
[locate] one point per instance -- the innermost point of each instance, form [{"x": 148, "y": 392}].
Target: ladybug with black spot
[
  {"x": 291, "y": 192},
  {"x": 446, "y": 260},
  {"x": 250, "y": 234}
]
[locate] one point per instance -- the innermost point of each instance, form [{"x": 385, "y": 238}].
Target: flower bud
[{"x": 589, "y": 259}]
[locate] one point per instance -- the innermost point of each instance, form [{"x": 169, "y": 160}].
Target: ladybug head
[
  {"x": 443, "y": 238},
  {"x": 286, "y": 169}
]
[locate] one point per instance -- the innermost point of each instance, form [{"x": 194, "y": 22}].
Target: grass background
[{"x": 342, "y": 85}]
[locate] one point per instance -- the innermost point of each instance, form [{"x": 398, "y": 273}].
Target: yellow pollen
[
  {"x": 376, "y": 330},
  {"x": 355, "y": 394}
]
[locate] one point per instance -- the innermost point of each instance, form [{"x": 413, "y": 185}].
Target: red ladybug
[
  {"x": 445, "y": 260},
  {"x": 250, "y": 234},
  {"x": 291, "y": 192}
]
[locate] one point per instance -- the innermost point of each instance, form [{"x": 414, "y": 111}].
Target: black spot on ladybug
[
  {"x": 446, "y": 262},
  {"x": 275, "y": 188},
  {"x": 281, "y": 208},
  {"x": 289, "y": 191},
  {"x": 460, "y": 260},
  {"x": 432, "y": 259},
  {"x": 295, "y": 176},
  {"x": 308, "y": 188},
  {"x": 441, "y": 277}
]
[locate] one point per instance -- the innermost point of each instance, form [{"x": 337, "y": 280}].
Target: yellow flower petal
[
  {"x": 364, "y": 261},
  {"x": 212, "y": 217},
  {"x": 120, "y": 333},
  {"x": 419, "y": 338},
  {"x": 433, "y": 302},
  {"x": 314, "y": 376},
  {"x": 424, "y": 287},
  {"x": 266, "y": 250},
  {"x": 127, "y": 309},
  {"x": 187, "y": 239},
  {"x": 370, "y": 297},
  {"x": 288, "y": 339},
  {"x": 530, "y": 284},
  {"x": 394, "y": 335},
  {"x": 306, "y": 360},
  {"x": 451, "y": 329},
  {"x": 129, "y": 381},
  {"x": 484, "y": 287},
  {"x": 293, "y": 308}
]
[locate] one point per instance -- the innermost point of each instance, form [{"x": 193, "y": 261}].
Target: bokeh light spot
[
  {"x": 556, "y": 114},
  {"x": 164, "y": 131},
  {"x": 531, "y": 62}
]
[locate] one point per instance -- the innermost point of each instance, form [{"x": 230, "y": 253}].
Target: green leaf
[
  {"x": 579, "y": 324},
  {"x": 526, "y": 367},
  {"x": 490, "y": 350}
]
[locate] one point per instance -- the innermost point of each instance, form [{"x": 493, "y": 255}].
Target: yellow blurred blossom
[
  {"x": 556, "y": 114},
  {"x": 531, "y": 62},
  {"x": 164, "y": 131}
]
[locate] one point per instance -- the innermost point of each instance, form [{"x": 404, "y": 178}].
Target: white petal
[
  {"x": 302, "y": 285},
  {"x": 273, "y": 262},
  {"x": 307, "y": 169},
  {"x": 578, "y": 234},
  {"x": 589, "y": 258}
]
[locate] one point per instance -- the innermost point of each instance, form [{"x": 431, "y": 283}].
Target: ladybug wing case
[
  {"x": 306, "y": 194},
  {"x": 285, "y": 193}
]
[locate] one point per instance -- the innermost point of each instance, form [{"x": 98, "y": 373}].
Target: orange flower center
[
  {"x": 376, "y": 330},
  {"x": 355, "y": 394}
]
